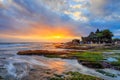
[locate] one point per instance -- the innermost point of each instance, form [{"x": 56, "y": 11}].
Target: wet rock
[
  {"x": 2, "y": 58},
  {"x": 92, "y": 64},
  {"x": 99, "y": 65},
  {"x": 41, "y": 52},
  {"x": 1, "y": 78},
  {"x": 116, "y": 67},
  {"x": 32, "y": 69},
  {"x": 106, "y": 64},
  {"x": 72, "y": 46},
  {"x": 106, "y": 73}
]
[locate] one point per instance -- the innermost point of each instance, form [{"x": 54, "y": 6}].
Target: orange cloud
[{"x": 42, "y": 32}]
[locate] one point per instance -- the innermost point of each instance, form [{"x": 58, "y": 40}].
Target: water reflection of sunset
[{"x": 58, "y": 66}]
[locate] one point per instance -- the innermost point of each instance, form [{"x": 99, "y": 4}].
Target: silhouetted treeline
[{"x": 103, "y": 36}]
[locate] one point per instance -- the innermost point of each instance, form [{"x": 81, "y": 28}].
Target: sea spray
[{"x": 17, "y": 70}]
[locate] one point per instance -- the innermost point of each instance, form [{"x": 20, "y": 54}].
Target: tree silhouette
[
  {"x": 107, "y": 35},
  {"x": 104, "y": 36}
]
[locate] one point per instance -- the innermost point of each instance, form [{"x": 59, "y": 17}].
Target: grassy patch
[
  {"x": 75, "y": 76},
  {"x": 85, "y": 56},
  {"x": 90, "y": 59},
  {"x": 52, "y": 56},
  {"x": 89, "y": 56}
]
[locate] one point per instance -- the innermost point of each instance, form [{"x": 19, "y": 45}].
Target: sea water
[{"x": 14, "y": 67}]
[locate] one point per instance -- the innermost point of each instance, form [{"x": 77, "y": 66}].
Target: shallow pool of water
[{"x": 111, "y": 59}]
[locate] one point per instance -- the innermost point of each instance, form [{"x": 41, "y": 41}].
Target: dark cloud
[{"x": 19, "y": 16}]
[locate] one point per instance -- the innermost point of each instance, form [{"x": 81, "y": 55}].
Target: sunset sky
[{"x": 56, "y": 20}]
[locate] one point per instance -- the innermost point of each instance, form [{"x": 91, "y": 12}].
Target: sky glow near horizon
[{"x": 56, "y": 20}]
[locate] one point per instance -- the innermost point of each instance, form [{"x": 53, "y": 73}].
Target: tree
[
  {"x": 99, "y": 36},
  {"x": 107, "y": 35},
  {"x": 91, "y": 37},
  {"x": 97, "y": 31}
]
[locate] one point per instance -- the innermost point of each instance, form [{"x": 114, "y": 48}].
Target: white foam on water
[
  {"x": 52, "y": 63},
  {"x": 11, "y": 69}
]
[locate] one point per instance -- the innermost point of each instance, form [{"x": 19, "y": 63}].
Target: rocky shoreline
[
  {"x": 78, "y": 46},
  {"x": 91, "y": 59},
  {"x": 100, "y": 64}
]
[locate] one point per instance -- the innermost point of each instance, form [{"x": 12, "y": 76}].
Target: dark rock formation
[{"x": 41, "y": 52}]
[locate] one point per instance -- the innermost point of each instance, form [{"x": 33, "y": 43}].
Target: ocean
[{"x": 19, "y": 67}]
